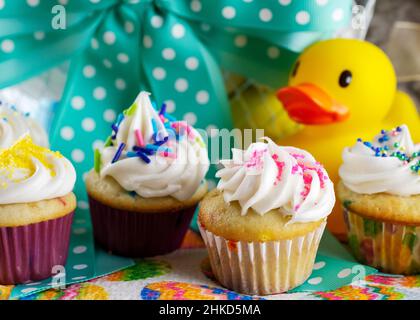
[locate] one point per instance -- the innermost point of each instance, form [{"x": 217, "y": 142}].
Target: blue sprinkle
[
  {"x": 367, "y": 143},
  {"x": 163, "y": 109},
  {"x": 119, "y": 119},
  {"x": 143, "y": 157},
  {"x": 399, "y": 129},
  {"x": 144, "y": 150},
  {"x": 383, "y": 131},
  {"x": 359, "y": 139},
  {"x": 118, "y": 153}
]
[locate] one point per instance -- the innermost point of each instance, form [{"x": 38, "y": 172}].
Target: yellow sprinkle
[{"x": 20, "y": 155}]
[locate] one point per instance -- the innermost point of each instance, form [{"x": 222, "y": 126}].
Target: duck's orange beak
[{"x": 309, "y": 104}]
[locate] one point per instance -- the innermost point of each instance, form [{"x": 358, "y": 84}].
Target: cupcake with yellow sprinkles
[{"x": 36, "y": 211}]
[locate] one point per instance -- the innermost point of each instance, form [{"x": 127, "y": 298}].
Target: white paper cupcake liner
[{"x": 262, "y": 268}]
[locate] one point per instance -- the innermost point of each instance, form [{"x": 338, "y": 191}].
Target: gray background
[{"x": 386, "y": 13}]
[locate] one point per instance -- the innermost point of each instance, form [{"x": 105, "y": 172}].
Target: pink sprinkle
[
  {"x": 168, "y": 154},
  {"x": 256, "y": 159},
  {"x": 139, "y": 138},
  {"x": 280, "y": 167},
  {"x": 162, "y": 118},
  {"x": 297, "y": 156},
  {"x": 183, "y": 125}
]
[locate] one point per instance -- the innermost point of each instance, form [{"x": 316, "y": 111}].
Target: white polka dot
[
  {"x": 129, "y": 27},
  {"x": 302, "y": 17},
  {"x": 168, "y": 53},
  {"x": 79, "y": 231},
  {"x": 109, "y": 37},
  {"x": 156, "y": 21},
  {"x": 273, "y": 52},
  {"x": 89, "y": 71},
  {"x": 107, "y": 63},
  {"x": 88, "y": 124},
  {"x": 94, "y": 44},
  {"x": 191, "y": 63},
  {"x": 315, "y": 281},
  {"x": 205, "y": 27},
  {"x": 229, "y": 12},
  {"x": 95, "y": 1},
  {"x": 202, "y": 97},
  {"x": 212, "y": 130},
  {"x": 120, "y": 84},
  {"x": 170, "y": 106},
  {"x": 82, "y": 204},
  {"x": 338, "y": 14},
  {"x": 7, "y": 46},
  {"x": 181, "y": 85},
  {"x": 344, "y": 273},
  {"x": 67, "y": 133},
  {"x": 195, "y": 6},
  {"x": 63, "y": 2},
  {"x": 319, "y": 265},
  {"x": 77, "y": 103},
  {"x": 265, "y": 15},
  {"x": 191, "y": 118},
  {"x": 98, "y": 144},
  {"x": 241, "y": 41},
  {"x": 109, "y": 115},
  {"x": 99, "y": 93},
  {"x": 247, "y": 1},
  {"x": 285, "y": 2},
  {"x": 79, "y": 249},
  {"x": 147, "y": 41},
  {"x": 77, "y": 155},
  {"x": 123, "y": 57},
  {"x": 178, "y": 31},
  {"x": 80, "y": 266},
  {"x": 39, "y": 35},
  {"x": 1, "y": 4},
  {"x": 81, "y": 277},
  {"x": 159, "y": 73},
  {"x": 321, "y": 2},
  {"x": 29, "y": 290},
  {"x": 32, "y": 3},
  {"x": 84, "y": 176},
  {"x": 80, "y": 221}
]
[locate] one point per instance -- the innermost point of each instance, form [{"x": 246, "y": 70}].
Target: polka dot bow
[{"x": 170, "y": 48}]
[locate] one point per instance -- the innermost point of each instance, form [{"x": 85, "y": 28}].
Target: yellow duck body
[{"x": 351, "y": 86}]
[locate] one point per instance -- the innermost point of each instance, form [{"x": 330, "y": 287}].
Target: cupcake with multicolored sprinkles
[
  {"x": 36, "y": 211},
  {"x": 146, "y": 181},
  {"x": 380, "y": 194}
]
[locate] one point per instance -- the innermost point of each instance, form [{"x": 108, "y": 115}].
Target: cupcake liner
[
  {"x": 389, "y": 247},
  {"x": 138, "y": 234},
  {"x": 29, "y": 253},
  {"x": 262, "y": 268}
]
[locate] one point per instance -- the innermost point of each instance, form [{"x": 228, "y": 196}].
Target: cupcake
[
  {"x": 14, "y": 124},
  {"x": 146, "y": 182},
  {"x": 263, "y": 224},
  {"x": 36, "y": 211},
  {"x": 380, "y": 194}
]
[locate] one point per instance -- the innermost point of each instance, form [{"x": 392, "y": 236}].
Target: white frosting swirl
[
  {"x": 178, "y": 176},
  {"x": 387, "y": 164},
  {"x": 14, "y": 124},
  {"x": 30, "y": 173},
  {"x": 267, "y": 177}
]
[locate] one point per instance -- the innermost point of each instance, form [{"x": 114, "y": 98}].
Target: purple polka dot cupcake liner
[
  {"x": 29, "y": 253},
  {"x": 139, "y": 234}
]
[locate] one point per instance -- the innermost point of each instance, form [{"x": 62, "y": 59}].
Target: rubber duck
[{"x": 342, "y": 90}]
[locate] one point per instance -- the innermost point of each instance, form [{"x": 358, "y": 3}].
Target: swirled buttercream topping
[
  {"x": 152, "y": 154},
  {"x": 390, "y": 164},
  {"x": 30, "y": 173},
  {"x": 14, "y": 124},
  {"x": 268, "y": 177}
]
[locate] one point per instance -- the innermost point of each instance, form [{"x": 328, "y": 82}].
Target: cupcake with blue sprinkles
[
  {"x": 146, "y": 181},
  {"x": 380, "y": 194}
]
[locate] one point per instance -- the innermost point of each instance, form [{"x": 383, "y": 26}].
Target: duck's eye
[
  {"x": 295, "y": 68},
  {"x": 345, "y": 78}
]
